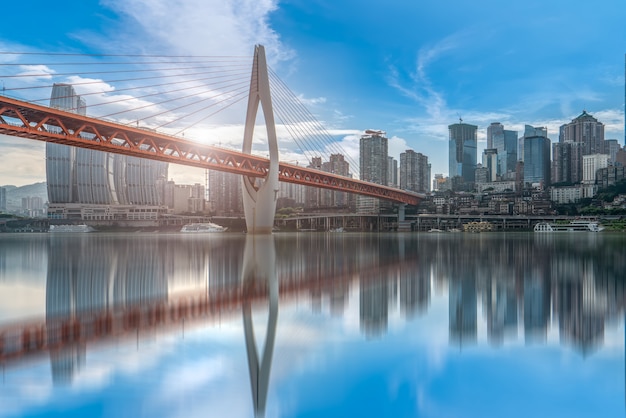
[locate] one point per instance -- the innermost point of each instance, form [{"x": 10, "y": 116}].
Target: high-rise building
[
  {"x": 591, "y": 164},
  {"x": 505, "y": 143},
  {"x": 490, "y": 162},
  {"x": 611, "y": 147},
  {"x": 392, "y": 175},
  {"x": 336, "y": 165},
  {"x": 481, "y": 174},
  {"x": 373, "y": 162},
  {"x": 561, "y": 162},
  {"x": 462, "y": 148},
  {"x": 414, "y": 172},
  {"x": 225, "y": 198},
  {"x": 586, "y": 136},
  {"x": 88, "y": 177},
  {"x": 536, "y": 156}
]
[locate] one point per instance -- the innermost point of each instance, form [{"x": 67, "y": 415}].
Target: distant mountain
[{"x": 15, "y": 194}]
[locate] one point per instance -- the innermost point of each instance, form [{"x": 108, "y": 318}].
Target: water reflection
[
  {"x": 505, "y": 286},
  {"x": 259, "y": 270}
]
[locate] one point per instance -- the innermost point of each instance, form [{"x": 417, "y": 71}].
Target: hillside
[{"x": 15, "y": 194}]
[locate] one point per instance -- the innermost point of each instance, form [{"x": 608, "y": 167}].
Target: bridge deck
[{"x": 27, "y": 120}]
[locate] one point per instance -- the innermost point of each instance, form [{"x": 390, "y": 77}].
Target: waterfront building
[
  {"x": 536, "y": 156},
  {"x": 96, "y": 179},
  {"x": 373, "y": 147},
  {"x": 462, "y": 148},
  {"x": 414, "y": 172}
]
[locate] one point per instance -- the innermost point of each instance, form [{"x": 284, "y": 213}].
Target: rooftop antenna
[{"x": 460, "y": 118}]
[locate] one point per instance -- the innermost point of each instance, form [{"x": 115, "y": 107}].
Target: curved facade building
[{"x": 84, "y": 176}]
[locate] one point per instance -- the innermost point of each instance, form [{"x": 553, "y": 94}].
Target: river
[{"x": 313, "y": 325}]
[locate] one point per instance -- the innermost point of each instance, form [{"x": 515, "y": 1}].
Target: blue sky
[{"x": 409, "y": 68}]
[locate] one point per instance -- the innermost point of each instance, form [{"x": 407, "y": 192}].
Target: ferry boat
[
  {"x": 70, "y": 228},
  {"x": 203, "y": 227},
  {"x": 572, "y": 226}
]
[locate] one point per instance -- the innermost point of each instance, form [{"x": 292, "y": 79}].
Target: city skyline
[{"x": 528, "y": 67}]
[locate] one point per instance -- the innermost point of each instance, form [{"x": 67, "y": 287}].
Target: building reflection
[
  {"x": 86, "y": 276},
  {"x": 517, "y": 287}
]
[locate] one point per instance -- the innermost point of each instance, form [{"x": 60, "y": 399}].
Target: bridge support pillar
[
  {"x": 401, "y": 214},
  {"x": 260, "y": 195}
]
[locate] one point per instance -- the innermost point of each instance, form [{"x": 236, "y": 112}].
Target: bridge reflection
[{"x": 102, "y": 287}]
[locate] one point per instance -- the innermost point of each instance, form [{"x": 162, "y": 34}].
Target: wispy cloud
[{"x": 312, "y": 101}]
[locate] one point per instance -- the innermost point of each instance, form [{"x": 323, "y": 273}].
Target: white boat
[
  {"x": 572, "y": 226},
  {"x": 340, "y": 229},
  {"x": 70, "y": 228},
  {"x": 435, "y": 230},
  {"x": 203, "y": 227}
]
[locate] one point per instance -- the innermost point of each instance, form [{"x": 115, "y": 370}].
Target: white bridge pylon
[{"x": 259, "y": 196}]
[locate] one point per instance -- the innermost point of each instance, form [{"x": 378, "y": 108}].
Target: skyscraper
[
  {"x": 505, "y": 143},
  {"x": 536, "y": 156},
  {"x": 414, "y": 172},
  {"x": 336, "y": 165},
  {"x": 373, "y": 162},
  {"x": 462, "y": 150},
  {"x": 392, "y": 175},
  {"x": 585, "y": 136},
  {"x": 225, "y": 197},
  {"x": 490, "y": 162},
  {"x": 561, "y": 162}
]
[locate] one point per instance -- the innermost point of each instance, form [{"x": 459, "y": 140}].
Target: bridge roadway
[
  {"x": 29, "y": 339},
  {"x": 27, "y": 120}
]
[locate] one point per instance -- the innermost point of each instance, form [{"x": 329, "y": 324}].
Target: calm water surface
[{"x": 313, "y": 325}]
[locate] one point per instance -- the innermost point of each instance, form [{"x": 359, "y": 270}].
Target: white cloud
[
  {"x": 36, "y": 72},
  {"x": 202, "y": 27}
]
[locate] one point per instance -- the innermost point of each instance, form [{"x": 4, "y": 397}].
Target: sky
[{"x": 408, "y": 68}]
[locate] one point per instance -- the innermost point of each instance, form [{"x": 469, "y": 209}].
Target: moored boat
[
  {"x": 572, "y": 226},
  {"x": 203, "y": 227},
  {"x": 70, "y": 228}
]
